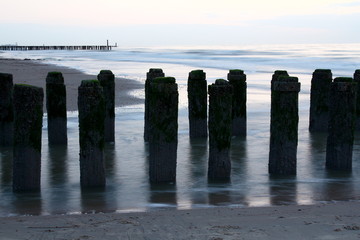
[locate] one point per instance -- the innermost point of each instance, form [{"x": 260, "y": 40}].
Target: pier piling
[
  {"x": 6, "y": 109},
  {"x": 284, "y": 125},
  {"x": 341, "y": 124},
  {"x": 197, "y": 98},
  {"x": 319, "y": 100},
  {"x": 150, "y": 76},
  {"x": 107, "y": 81},
  {"x": 56, "y": 108},
  {"x": 237, "y": 79},
  {"x": 91, "y": 107},
  {"x": 220, "y": 129},
  {"x": 163, "y": 133},
  {"x": 28, "y": 113}
]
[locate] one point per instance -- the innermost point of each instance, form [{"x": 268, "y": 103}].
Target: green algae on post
[
  {"x": 284, "y": 125},
  {"x": 319, "y": 100},
  {"x": 91, "y": 107},
  {"x": 28, "y": 113},
  {"x": 237, "y": 79},
  {"x": 163, "y": 101},
  {"x": 342, "y": 113},
  {"x": 220, "y": 129},
  {"x": 6, "y": 109},
  {"x": 150, "y": 76},
  {"x": 107, "y": 81},
  {"x": 56, "y": 108},
  {"x": 197, "y": 104}
]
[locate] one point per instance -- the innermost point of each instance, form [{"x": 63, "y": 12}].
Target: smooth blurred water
[{"x": 128, "y": 188}]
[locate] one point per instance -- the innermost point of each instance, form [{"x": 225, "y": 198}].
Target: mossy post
[
  {"x": 56, "y": 108},
  {"x": 357, "y": 80},
  {"x": 91, "y": 107},
  {"x": 28, "y": 113},
  {"x": 197, "y": 98},
  {"x": 150, "y": 76},
  {"x": 220, "y": 129},
  {"x": 284, "y": 126},
  {"x": 6, "y": 109},
  {"x": 163, "y": 133},
  {"x": 342, "y": 113},
  {"x": 237, "y": 79},
  {"x": 107, "y": 81},
  {"x": 319, "y": 100}
]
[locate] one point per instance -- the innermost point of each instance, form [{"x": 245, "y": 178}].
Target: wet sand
[{"x": 34, "y": 73}]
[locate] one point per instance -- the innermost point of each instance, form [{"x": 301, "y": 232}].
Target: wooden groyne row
[
  {"x": 333, "y": 103},
  {"x": 74, "y": 47}
]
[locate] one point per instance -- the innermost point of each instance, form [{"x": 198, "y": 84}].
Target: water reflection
[
  {"x": 58, "y": 156},
  {"x": 6, "y": 154},
  {"x": 110, "y": 159},
  {"x": 163, "y": 195},
  {"x": 283, "y": 190},
  {"x": 27, "y": 203},
  {"x": 94, "y": 201}
]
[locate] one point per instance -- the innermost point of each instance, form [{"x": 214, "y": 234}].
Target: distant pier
[{"x": 106, "y": 47}]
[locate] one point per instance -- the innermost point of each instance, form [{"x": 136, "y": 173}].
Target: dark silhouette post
[
  {"x": 28, "y": 113},
  {"x": 357, "y": 80},
  {"x": 107, "y": 81},
  {"x": 151, "y": 75},
  {"x": 91, "y": 128},
  {"x": 163, "y": 133},
  {"x": 341, "y": 124},
  {"x": 319, "y": 100},
  {"x": 220, "y": 121},
  {"x": 6, "y": 109},
  {"x": 56, "y": 108},
  {"x": 237, "y": 79},
  {"x": 284, "y": 126},
  {"x": 197, "y": 97}
]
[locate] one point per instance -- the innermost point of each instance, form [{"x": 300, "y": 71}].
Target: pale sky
[{"x": 179, "y": 22}]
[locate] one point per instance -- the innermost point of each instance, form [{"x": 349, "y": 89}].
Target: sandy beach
[
  {"x": 323, "y": 221},
  {"x": 34, "y": 73}
]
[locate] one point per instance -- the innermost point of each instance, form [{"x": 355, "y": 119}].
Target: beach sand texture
[{"x": 325, "y": 221}]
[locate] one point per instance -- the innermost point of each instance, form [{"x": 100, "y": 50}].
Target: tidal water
[{"x": 126, "y": 160}]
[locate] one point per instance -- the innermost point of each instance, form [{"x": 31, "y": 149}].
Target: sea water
[{"x": 126, "y": 160}]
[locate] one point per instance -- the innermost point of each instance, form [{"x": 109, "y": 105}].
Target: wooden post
[
  {"x": 91, "y": 127},
  {"x": 357, "y": 80},
  {"x": 237, "y": 79},
  {"x": 341, "y": 124},
  {"x": 197, "y": 97},
  {"x": 28, "y": 113},
  {"x": 319, "y": 100},
  {"x": 284, "y": 126},
  {"x": 56, "y": 108},
  {"x": 163, "y": 132},
  {"x": 220, "y": 121},
  {"x": 150, "y": 76},
  {"x": 107, "y": 81},
  {"x": 6, "y": 109}
]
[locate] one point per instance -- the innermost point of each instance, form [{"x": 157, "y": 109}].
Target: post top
[
  {"x": 90, "y": 83},
  {"x": 106, "y": 72},
  {"x": 283, "y": 78},
  {"x": 236, "y": 72},
  {"x": 322, "y": 71},
  {"x": 197, "y": 75},
  {"x": 155, "y": 70},
  {"x": 55, "y": 78},
  {"x": 6, "y": 75},
  {"x": 343, "y": 79},
  {"x": 277, "y": 73}
]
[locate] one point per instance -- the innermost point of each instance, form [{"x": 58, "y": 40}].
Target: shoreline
[
  {"x": 34, "y": 72},
  {"x": 340, "y": 220}
]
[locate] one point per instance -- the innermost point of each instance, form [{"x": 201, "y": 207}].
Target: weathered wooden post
[
  {"x": 56, "y": 108},
  {"x": 6, "y": 109},
  {"x": 220, "y": 121},
  {"x": 91, "y": 107},
  {"x": 28, "y": 113},
  {"x": 341, "y": 124},
  {"x": 284, "y": 126},
  {"x": 151, "y": 75},
  {"x": 163, "y": 132},
  {"x": 237, "y": 79},
  {"x": 277, "y": 74},
  {"x": 107, "y": 81},
  {"x": 319, "y": 100},
  {"x": 357, "y": 80},
  {"x": 197, "y": 98}
]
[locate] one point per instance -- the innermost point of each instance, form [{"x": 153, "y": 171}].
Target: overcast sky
[{"x": 142, "y": 23}]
